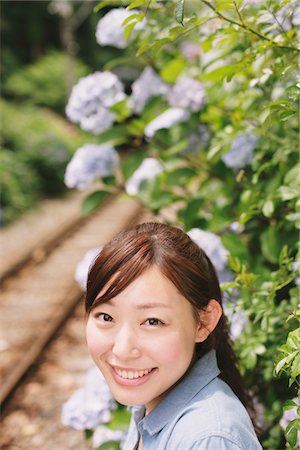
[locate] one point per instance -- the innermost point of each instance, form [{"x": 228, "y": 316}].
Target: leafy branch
[{"x": 245, "y": 27}]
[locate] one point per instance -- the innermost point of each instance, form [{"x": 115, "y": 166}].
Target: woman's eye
[
  {"x": 154, "y": 322},
  {"x": 103, "y": 317}
]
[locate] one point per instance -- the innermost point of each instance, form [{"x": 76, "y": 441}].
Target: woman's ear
[{"x": 208, "y": 320}]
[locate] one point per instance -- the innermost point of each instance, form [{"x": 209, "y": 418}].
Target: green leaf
[
  {"x": 172, "y": 70},
  {"x": 110, "y": 445},
  {"x": 92, "y": 202},
  {"x": 88, "y": 434},
  {"x": 128, "y": 30},
  {"x": 179, "y": 11},
  {"x": 180, "y": 176},
  {"x": 138, "y": 17},
  {"x": 292, "y": 431},
  {"x": 136, "y": 4},
  {"x": 285, "y": 115},
  {"x": 120, "y": 419},
  {"x": 270, "y": 245},
  {"x": 295, "y": 369},
  {"x": 289, "y": 404},
  {"x": 132, "y": 162}
]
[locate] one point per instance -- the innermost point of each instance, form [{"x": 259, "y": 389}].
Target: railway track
[{"x": 39, "y": 293}]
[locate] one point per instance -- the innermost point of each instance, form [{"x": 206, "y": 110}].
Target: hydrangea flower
[
  {"x": 241, "y": 151},
  {"x": 296, "y": 266},
  {"x": 288, "y": 16},
  {"x": 103, "y": 434},
  {"x": 187, "y": 93},
  {"x": 98, "y": 122},
  {"x": 110, "y": 30},
  {"x": 90, "y": 99},
  {"x": 89, "y": 163},
  {"x": 238, "y": 320},
  {"x": 147, "y": 85},
  {"x": 212, "y": 245},
  {"x": 167, "y": 119},
  {"x": 190, "y": 51},
  {"x": 149, "y": 169},
  {"x": 90, "y": 405},
  {"x": 82, "y": 268}
]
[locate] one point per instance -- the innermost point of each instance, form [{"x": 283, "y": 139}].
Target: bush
[
  {"x": 44, "y": 82},
  {"x": 37, "y": 144}
]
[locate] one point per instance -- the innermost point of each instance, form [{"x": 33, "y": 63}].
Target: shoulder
[{"x": 214, "y": 419}]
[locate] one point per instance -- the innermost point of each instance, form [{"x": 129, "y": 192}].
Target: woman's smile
[{"x": 131, "y": 377}]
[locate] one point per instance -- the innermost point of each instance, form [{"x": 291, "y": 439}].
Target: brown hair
[{"x": 186, "y": 265}]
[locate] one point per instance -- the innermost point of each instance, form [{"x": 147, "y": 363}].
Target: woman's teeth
[{"x": 132, "y": 374}]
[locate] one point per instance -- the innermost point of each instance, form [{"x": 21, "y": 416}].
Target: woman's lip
[{"x": 131, "y": 382}]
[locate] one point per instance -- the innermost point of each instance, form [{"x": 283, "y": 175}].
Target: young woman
[{"x": 157, "y": 332}]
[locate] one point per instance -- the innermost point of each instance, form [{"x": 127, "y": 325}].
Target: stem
[{"x": 245, "y": 27}]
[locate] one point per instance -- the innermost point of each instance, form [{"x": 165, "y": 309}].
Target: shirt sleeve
[{"x": 216, "y": 442}]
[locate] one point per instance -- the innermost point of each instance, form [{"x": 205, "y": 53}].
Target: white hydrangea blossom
[
  {"x": 167, "y": 119},
  {"x": 149, "y": 169},
  {"x": 89, "y": 406},
  {"x": 147, "y": 85},
  {"x": 89, "y": 163},
  {"x": 212, "y": 246},
  {"x": 241, "y": 151},
  {"x": 187, "y": 93},
  {"x": 110, "y": 30},
  {"x": 90, "y": 99},
  {"x": 100, "y": 121},
  {"x": 82, "y": 268},
  {"x": 103, "y": 434}
]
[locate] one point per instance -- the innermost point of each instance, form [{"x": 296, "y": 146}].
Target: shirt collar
[{"x": 202, "y": 373}]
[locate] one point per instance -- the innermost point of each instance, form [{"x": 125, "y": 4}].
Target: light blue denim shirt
[{"x": 201, "y": 412}]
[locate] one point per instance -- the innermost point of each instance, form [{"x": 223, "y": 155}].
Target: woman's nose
[{"x": 125, "y": 345}]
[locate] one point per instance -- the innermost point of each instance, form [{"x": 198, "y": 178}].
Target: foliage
[
  {"x": 230, "y": 161},
  {"x": 44, "y": 82},
  {"x": 36, "y": 145}
]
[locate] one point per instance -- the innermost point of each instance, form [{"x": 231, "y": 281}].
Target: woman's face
[{"x": 143, "y": 339}]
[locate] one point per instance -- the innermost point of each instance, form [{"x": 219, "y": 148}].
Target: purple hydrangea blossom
[
  {"x": 89, "y": 406},
  {"x": 213, "y": 247},
  {"x": 241, "y": 151},
  {"x": 296, "y": 266},
  {"x": 147, "y": 85},
  {"x": 167, "y": 119},
  {"x": 187, "y": 93},
  {"x": 238, "y": 321},
  {"x": 110, "y": 30},
  {"x": 103, "y": 434},
  {"x": 149, "y": 169},
  {"x": 89, "y": 163},
  {"x": 90, "y": 99},
  {"x": 82, "y": 268},
  {"x": 288, "y": 16},
  {"x": 190, "y": 51}
]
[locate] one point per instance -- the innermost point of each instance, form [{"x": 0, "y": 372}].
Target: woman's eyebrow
[
  {"x": 153, "y": 305},
  {"x": 149, "y": 305}
]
